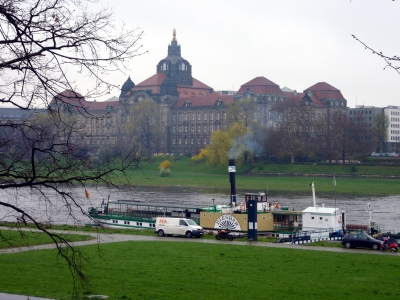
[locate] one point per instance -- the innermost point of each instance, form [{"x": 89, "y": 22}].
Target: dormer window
[
  {"x": 164, "y": 66},
  {"x": 182, "y": 66},
  {"x": 218, "y": 102},
  {"x": 187, "y": 103}
]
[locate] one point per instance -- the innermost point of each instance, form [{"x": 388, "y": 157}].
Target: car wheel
[
  {"x": 375, "y": 247},
  {"x": 347, "y": 245},
  {"x": 188, "y": 234},
  {"x": 218, "y": 237},
  {"x": 161, "y": 232},
  {"x": 230, "y": 237}
]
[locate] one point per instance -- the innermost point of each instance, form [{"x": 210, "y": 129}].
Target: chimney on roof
[{"x": 295, "y": 92}]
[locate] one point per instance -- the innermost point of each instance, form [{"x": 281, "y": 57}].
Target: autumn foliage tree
[{"x": 236, "y": 142}]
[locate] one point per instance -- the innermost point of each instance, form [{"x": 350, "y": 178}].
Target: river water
[{"x": 385, "y": 210}]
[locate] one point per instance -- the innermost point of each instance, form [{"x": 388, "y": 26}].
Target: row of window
[
  {"x": 358, "y": 112},
  {"x": 128, "y": 223},
  {"x": 191, "y": 141},
  {"x": 193, "y": 128},
  {"x": 205, "y": 116},
  {"x": 101, "y": 130},
  {"x": 394, "y": 119},
  {"x": 361, "y": 118},
  {"x": 95, "y": 141},
  {"x": 105, "y": 120}
]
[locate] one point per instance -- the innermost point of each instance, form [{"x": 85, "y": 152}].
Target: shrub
[
  {"x": 165, "y": 168},
  {"x": 202, "y": 155},
  {"x": 166, "y": 164},
  {"x": 164, "y": 172}
]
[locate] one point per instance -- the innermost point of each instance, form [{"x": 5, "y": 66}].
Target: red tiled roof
[
  {"x": 102, "y": 105},
  {"x": 208, "y": 100},
  {"x": 77, "y": 100},
  {"x": 70, "y": 97},
  {"x": 154, "y": 82},
  {"x": 291, "y": 96},
  {"x": 197, "y": 84},
  {"x": 260, "y": 85},
  {"x": 299, "y": 97},
  {"x": 316, "y": 100},
  {"x": 323, "y": 90}
]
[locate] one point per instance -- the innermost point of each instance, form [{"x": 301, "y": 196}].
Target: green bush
[
  {"x": 165, "y": 172},
  {"x": 353, "y": 169}
]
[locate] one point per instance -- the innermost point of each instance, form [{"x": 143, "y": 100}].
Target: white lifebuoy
[
  {"x": 242, "y": 207},
  {"x": 340, "y": 219}
]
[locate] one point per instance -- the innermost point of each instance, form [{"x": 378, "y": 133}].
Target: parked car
[{"x": 360, "y": 240}]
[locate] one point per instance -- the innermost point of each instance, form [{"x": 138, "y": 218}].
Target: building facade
[
  {"x": 366, "y": 114},
  {"x": 188, "y": 111}
]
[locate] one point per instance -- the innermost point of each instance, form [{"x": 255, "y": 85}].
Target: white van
[{"x": 178, "y": 226}]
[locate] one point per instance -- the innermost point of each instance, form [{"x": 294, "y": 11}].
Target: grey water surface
[{"x": 385, "y": 210}]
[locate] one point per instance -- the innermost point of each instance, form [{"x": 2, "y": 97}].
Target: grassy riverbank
[
  {"x": 17, "y": 239},
  {"x": 170, "y": 270},
  {"x": 187, "y": 173}
]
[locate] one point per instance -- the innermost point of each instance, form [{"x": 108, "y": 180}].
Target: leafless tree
[
  {"x": 143, "y": 126},
  {"x": 295, "y": 130},
  {"x": 46, "y": 46},
  {"x": 348, "y": 136},
  {"x": 379, "y": 131}
]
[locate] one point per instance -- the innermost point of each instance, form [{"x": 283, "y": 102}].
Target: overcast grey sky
[{"x": 294, "y": 43}]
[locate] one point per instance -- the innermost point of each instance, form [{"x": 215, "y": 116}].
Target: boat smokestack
[
  {"x": 232, "y": 171},
  {"x": 313, "y": 194}
]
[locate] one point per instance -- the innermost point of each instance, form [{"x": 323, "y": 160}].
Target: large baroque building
[{"x": 188, "y": 110}]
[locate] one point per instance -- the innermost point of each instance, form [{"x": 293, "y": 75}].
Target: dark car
[{"x": 360, "y": 240}]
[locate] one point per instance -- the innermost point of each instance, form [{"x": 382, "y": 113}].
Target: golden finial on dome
[{"x": 174, "y": 35}]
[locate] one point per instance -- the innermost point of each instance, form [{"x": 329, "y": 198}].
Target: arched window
[{"x": 183, "y": 66}]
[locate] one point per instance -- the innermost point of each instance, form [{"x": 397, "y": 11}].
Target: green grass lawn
[
  {"x": 190, "y": 174},
  {"x": 13, "y": 238},
  {"x": 170, "y": 270}
]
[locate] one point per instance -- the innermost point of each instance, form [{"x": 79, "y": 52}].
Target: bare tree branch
[
  {"x": 42, "y": 40},
  {"x": 391, "y": 61},
  {"x": 46, "y": 46}
]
